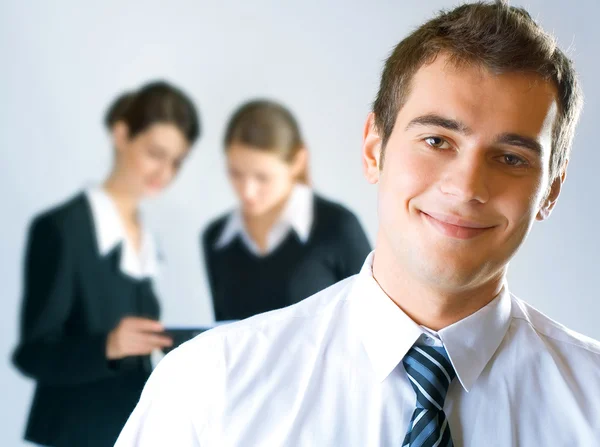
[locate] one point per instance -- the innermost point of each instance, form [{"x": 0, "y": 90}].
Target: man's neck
[{"x": 427, "y": 304}]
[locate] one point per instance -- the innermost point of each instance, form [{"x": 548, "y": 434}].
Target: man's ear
[
  {"x": 550, "y": 201},
  {"x": 371, "y": 150}
]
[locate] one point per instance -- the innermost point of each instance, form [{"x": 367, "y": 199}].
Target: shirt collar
[
  {"x": 387, "y": 333},
  {"x": 298, "y": 215},
  {"x": 110, "y": 233},
  {"x": 472, "y": 341}
]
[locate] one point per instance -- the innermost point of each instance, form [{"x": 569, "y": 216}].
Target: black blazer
[{"x": 72, "y": 299}]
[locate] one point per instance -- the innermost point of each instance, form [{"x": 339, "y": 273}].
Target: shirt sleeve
[{"x": 176, "y": 403}]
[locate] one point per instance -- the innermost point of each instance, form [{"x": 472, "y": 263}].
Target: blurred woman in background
[
  {"x": 90, "y": 316},
  {"x": 284, "y": 242}
]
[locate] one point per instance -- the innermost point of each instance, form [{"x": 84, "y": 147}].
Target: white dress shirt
[
  {"x": 297, "y": 215},
  {"x": 328, "y": 372},
  {"x": 110, "y": 232}
]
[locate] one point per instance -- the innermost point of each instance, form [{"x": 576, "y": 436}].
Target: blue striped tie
[{"x": 430, "y": 373}]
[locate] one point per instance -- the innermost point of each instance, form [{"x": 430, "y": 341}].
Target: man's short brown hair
[{"x": 496, "y": 36}]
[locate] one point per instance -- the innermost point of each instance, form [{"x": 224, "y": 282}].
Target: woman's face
[
  {"x": 261, "y": 179},
  {"x": 150, "y": 160}
]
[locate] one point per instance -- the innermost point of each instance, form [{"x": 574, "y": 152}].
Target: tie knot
[{"x": 430, "y": 373}]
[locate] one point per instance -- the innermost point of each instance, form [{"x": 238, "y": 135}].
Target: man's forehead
[{"x": 457, "y": 89}]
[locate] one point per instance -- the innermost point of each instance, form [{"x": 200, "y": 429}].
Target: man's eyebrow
[
  {"x": 514, "y": 139},
  {"x": 433, "y": 119}
]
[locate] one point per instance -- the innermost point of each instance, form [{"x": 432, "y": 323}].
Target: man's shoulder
[
  {"x": 555, "y": 335},
  {"x": 295, "y": 325},
  {"x": 310, "y": 311}
]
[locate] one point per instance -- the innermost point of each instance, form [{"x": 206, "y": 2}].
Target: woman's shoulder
[
  {"x": 214, "y": 228},
  {"x": 65, "y": 216},
  {"x": 328, "y": 209},
  {"x": 335, "y": 221}
]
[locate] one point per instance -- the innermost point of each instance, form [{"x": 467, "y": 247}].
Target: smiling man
[{"x": 468, "y": 143}]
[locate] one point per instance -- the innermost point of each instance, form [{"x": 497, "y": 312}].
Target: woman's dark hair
[
  {"x": 156, "y": 102},
  {"x": 115, "y": 111},
  {"x": 268, "y": 126}
]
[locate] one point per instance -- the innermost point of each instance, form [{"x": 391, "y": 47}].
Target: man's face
[{"x": 465, "y": 172}]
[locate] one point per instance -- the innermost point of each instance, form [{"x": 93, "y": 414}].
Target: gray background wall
[{"x": 62, "y": 62}]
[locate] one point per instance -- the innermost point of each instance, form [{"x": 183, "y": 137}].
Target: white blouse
[{"x": 110, "y": 232}]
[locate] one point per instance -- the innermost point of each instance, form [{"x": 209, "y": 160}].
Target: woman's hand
[{"x": 135, "y": 336}]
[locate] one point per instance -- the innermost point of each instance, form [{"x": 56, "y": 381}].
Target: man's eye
[
  {"x": 437, "y": 142},
  {"x": 513, "y": 160}
]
